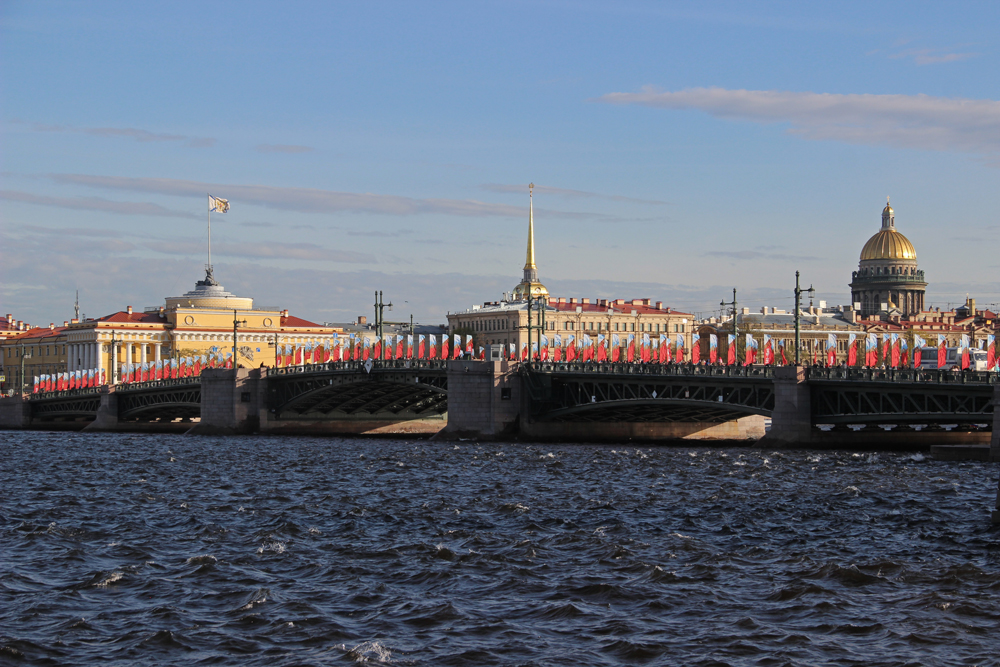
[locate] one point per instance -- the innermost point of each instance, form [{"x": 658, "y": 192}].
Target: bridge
[{"x": 562, "y": 401}]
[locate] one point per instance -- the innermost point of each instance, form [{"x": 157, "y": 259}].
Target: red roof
[
  {"x": 292, "y": 321},
  {"x": 125, "y": 316},
  {"x": 38, "y": 332},
  {"x": 625, "y": 308}
]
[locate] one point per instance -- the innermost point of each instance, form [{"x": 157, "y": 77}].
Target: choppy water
[{"x": 177, "y": 550}]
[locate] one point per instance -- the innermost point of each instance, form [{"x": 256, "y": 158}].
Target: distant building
[
  {"x": 506, "y": 321},
  {"x": 887, "y": 275},
  {"x": 197, "y": 323}
]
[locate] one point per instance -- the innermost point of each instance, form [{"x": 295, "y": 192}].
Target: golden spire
[{"x": 529, "y": 261}]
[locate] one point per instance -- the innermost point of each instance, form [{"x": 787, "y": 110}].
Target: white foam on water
[
  {"x": 370, "y": 652},
  {"x": 110, "y": 579},
  {"x": 276, "y": 547}
]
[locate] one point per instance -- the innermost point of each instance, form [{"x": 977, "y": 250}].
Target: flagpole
[{"x": 209, "y": 266}]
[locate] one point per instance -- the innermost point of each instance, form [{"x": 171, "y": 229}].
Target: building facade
[
  {"x": 505, "y": 322},
  {"x": 887, "y": 275}
]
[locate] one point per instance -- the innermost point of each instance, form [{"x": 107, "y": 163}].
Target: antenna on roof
[{"x": 76, "y": 306}]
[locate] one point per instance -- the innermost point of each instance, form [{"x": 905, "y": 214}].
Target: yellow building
[
  {"x": 199, "y": 322},
  {"x": 39, "y": 350},
  {"x": 506, "y": 322}
]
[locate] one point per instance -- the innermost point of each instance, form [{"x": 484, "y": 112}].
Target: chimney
[
  {"x": 362, "y": 320},
  {"x": 972, "y": 307},
  {"x": 584, "y": 300},
  {"x": 659, "y": 305},
  {"x": 52, "y": 325},
  {"x": 128, "y": 309},
  {"x": 562, "y": 299},
  {"x": 65, "y": 324},
  {"x": 572, "y": 300},
  {"x": 645, "y": 302}
]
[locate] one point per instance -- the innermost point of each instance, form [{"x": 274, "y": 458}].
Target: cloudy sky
[{"x": 678, "y": 149}]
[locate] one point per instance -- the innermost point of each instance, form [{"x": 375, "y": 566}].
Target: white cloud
[
  {"x": 932, "y": 56},
  {"x": 282, "y": 148},
  {"x": 127, "y": 132},
  {"x": 901, "y": 121},
  {"x": 312, "y": 200},
  {"x": 94, "y": 204},
  {"x": 522, "y": 189}
]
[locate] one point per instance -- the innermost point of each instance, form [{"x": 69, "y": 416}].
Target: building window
[{"x": 633, "y": 326}]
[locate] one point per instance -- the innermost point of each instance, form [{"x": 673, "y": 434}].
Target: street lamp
[
  {"x": 798, "y": 295},
  {"x": 237, "y": 323},
  {"x": 736, "y": 333},
  {"x": 380, "y": 306},
  {"x": 24, "y": 355}
]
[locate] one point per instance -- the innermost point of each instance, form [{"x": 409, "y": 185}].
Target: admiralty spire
[{"x": 529, "y": 285}]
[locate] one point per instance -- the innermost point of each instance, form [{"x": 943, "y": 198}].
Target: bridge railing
[
  {"x": 673, "y": 370},
  {"x": 919, "y": 375},
  {"x": 384, "y": 364},
  {"x": 67, "y": 393},
  {"x": 155, "y": 384}
]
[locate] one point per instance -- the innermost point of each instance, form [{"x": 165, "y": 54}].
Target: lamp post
[
  {"x": 798, "y": 295},
  {"x": 113, "y": 358},
  {"x": 24, "y": 355},
  {"x": 380, "y": 306},
  {"x": 736, "y": 333},
  {"x": 236, "y": 325}
]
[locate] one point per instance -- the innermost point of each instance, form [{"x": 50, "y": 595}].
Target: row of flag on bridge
[
  {"x": 172, "y": 369},
  {"x": 353, "y": 347},
  {"x": 92, "y": 377}
]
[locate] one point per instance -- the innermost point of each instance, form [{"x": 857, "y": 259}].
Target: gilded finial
[{"x": 531, "y": 186}]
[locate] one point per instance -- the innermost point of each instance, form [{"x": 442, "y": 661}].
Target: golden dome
[
  {"x": 887, "y": 209},
  {"x": 888, "y": 244}
]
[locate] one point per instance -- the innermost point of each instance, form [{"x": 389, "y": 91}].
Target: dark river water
[{"x": 175, "y": 550}]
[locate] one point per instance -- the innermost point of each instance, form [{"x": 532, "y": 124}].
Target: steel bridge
[
  {"x": 598, "y": 392},
  {"x": 160, "y": 400},
  {"x": 396, "y": 391}
]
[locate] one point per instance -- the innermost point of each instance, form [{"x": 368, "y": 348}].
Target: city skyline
[{"x": 676, "y": 152}]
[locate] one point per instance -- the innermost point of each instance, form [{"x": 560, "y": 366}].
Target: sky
[{"x": 678, "y": 149}]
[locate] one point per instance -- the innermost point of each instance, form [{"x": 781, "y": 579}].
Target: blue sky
[{"x": 678, "y": 149}]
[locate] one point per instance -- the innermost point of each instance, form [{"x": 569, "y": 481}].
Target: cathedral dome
[{"x": 888, "y": 244}]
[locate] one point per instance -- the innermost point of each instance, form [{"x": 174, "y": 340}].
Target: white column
[
  {"x": 128, "y": 352},
  {"x": 99, "y": 362},
  {"x": 75, "y": 358},
  {"x": 142, "y": 353},
  {"x": 156, "y": 351}
]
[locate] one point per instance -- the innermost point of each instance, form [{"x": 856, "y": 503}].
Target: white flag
[{"x": 216, "y": 205}]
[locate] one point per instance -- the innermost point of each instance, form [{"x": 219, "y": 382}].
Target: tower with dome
[{"x": 887, "y": 273}]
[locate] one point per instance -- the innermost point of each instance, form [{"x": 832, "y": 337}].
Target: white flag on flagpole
[{"x": 216, "y": 205}]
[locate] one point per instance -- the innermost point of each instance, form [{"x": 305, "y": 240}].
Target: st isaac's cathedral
[{"x": 887, "y": 276}]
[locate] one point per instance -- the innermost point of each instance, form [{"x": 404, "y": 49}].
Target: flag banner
[
  {"x": 123, "y": 375},
  {"x": 444, "y": 346},
  {"x": 831, "y": 350},
  {"x": 630, "y": 349},
  {"x": 319, "y": 353},
  {"x": 299, "y": 353},
  {"x": 79, "y": 379},
  {"x": 534, "y": 350},
  {"x": 402, "y": 353},
  {"x": 524, "y": 351},
  {"x": 570, "y": 347},
  {"x": 174, "y": 369},
  {"x": 646, "y": 350},
  {"x": 376, "y": 349},
  {"x": 159, "y": 369},
  {"x": 713, "y": 348},
  {"x": 602, "y": 348},
  {"x": 409, "y": 346},
  {"x": 387, "y": 347},
  {"x": 695, "y": 348},
  {"x": 288, "y": 355},
  {"x": 456, "y": 344},
  {"x": 904, "y": 353},
  {"x": 328, "y": 349},
  {"x": 979, "y": 344},
  {"x": 512, "y": 352},
  {"x": 482, "y": 353},
  {"x": 217, "y": 205},
  {"x": 366, "y": 348},
  {"x": 144, "y": 372},
  {"x": 432, "y": 347},
  {"x": 678, "y": 349},
  {"x": 544, "y": 354},
  {"x": 92, "y": 377},
  {"x": 991, "y": 352},
  {"x": 852, "y": 350},
  {"x": 942, "y": 350},
  {"x": 894, "y": 350},
  {"x": 616, "y": 348},
  {"x": 886, "y": 350},
  {"x": 588, "y": 348},
  {"x": 468, "y": 344},
  {"x": 730, "y": 350},
  {"x": 768, "y": 350},
  {"x": 918, "y": 350},
  {"x": 421, "y": 346},
  {"x": 557, "y": 351},
  {"x": 965, "y": 351},
  {"x": 661, "y": 349},
  {"x": 34, "y": 387}
]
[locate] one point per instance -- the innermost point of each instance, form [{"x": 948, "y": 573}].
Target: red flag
[
  {"x": 420, "y": 347},
  {"x": 917, "y": 354},
  {"x": 557, "y": 353},
  {"x": 852, "y": 354},
  {"x": 991, "y": 356},
  {"x": 731, "y": 353},
  {"x": 965, "y": 358},
  {"x": 468, "y": 345},
  {"x": 895, "y": 354},
  {"x": 444, "y": 346},
  {"x": 399, "y": 347},
  {"x": 831, "y": 357},
  {"x": 695, "y": 353},
  {"x": 524, "y": 351}
]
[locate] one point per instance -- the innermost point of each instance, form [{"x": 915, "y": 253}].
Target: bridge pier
[
  {"x": 791, "y": 421},
  {"x": 484, "y": 399},
  {"x": 230, "y": 400},
  {"x": 107, "y": 413},
  {"x": 15, "y": 413}
]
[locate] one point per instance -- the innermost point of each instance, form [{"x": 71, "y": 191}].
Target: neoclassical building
[
  {"x": 197, "y": 323},
  {"x": 505, "y": 322},
  {"x": 887, "y": 275}
]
